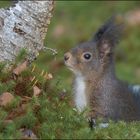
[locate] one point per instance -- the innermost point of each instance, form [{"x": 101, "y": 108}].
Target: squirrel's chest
[{"x": 80, "y": 95}]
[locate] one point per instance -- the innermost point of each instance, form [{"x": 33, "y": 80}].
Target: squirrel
[{"x": 96, "y": 85}]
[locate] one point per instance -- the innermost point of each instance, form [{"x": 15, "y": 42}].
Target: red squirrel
[{"x": 96, "y": 85}]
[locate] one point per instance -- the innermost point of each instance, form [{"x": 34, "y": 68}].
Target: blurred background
[{"x": 76, "y": 21}]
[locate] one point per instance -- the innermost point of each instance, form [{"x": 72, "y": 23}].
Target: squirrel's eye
[{"x": 87, "y": 56}]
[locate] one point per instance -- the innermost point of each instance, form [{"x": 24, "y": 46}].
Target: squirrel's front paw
[{"x": 93, "y": 124}]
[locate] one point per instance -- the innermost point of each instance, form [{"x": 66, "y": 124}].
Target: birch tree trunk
[{"x": 24, "y": 26}]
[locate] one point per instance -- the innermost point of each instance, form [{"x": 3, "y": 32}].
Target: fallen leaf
[
  {"x": 17, "y": 112},
  {"x": 48, "y": 76},
  {"x": 20, "y": 68},
  {"x": 6, "y": 98},
  {"x": 25, "y": 99},
  {"x": 36, "y": 91}
]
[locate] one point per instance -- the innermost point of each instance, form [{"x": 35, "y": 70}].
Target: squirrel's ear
[{"x": 108, "y": 36}]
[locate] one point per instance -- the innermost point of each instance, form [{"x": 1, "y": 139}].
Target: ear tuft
[
  {"x": 110, "y": 31},
  {"x": 108, "y": 36}
]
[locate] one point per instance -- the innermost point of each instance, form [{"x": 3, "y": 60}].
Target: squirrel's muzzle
[
  {"x": 68, "y": 60},
  {"x": 67, "y": 56}
]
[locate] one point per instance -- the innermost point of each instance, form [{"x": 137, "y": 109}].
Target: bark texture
[{"x": 24, "y": 26}]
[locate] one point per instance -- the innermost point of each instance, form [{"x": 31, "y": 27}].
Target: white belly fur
[{"x": 80, "y": 96}]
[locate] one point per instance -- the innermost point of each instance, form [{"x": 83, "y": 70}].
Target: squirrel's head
[{"x": 97, "y": 54}]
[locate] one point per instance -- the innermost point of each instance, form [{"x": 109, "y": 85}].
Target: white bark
[{"x": 24, "y": 26}]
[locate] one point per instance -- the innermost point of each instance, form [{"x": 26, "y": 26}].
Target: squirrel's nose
[{"x": 67, "y": 56}]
